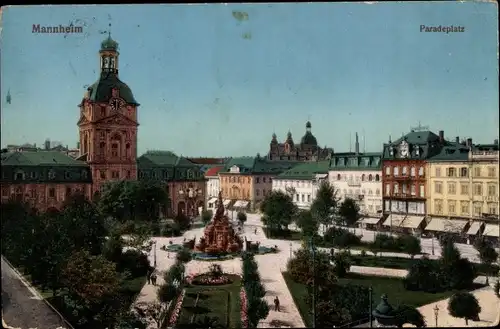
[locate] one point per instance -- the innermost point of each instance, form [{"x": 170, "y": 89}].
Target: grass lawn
[
  {"x": 393, "y": 287},
  {"x": 221, "y": 301}
]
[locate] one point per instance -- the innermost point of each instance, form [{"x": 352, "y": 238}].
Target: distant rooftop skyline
[{"x": 218, "y": 80}]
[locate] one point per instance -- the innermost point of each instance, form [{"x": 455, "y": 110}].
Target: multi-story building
[
  {"x": 463, "y": 188},
  {"x": 404, "y": 181},
  {"x": 213, "y": 186},
  {"x": 307, "y": 150},
  {"x": 43, "y": 179},
  {"x": 184, "y": 182},
  {"x": 302, "y": 182}
]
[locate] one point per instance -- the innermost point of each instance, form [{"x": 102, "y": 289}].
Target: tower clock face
[{"x": 116, "y": 104}]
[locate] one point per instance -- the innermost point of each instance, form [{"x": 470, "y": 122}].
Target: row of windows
[
  {"x": 463, "y": 207},
  {"x": 32, "y": 193},
  {"x": 236, "y": 193},
  {"x": 404, "y": 190},
  {"x": 21, "y": 175},
  {"x": 362, "y": 192},
  {"x": 363, "y": 178},
  {"x": 165, "y": 174},
  {"x": 293, "y": 183},
  {"x": 477, "y": 188},
  {"x": 404, "y": 171},
  {"x": 302, "y": 198},
  {"x": 464, "y": 172}
]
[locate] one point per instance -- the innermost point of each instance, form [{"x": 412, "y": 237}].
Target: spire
[{"x": 356, "y": 145}]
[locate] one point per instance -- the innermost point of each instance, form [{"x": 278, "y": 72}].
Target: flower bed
[
  {"x": 174, "y": 247},
  {"x": 208, "y": 280},
  {"x": 244, "y": 307},
  {"x": 177, "y": 309},
  {"x": 206, "y": 257},
  {"x": 267, "y": 250}
]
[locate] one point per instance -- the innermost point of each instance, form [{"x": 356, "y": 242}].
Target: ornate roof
[
  {"x": 167, "y": 166},
  {"x": 353, "y": 161},
  {"x": 109, "y": 44},
  {"x": 101, "y": 90},
  {"x": 305, "y": 171}
]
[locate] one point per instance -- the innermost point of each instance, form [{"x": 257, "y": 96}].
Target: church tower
[{"x": 108, "y": 123}]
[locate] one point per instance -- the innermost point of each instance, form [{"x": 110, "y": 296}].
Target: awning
[
  {"x": 396, "y": 220},
  {"x": 474, "y": 228},
  {"x": 369, "y": 220},
  {"x": 447, "y": 225},
  {"x": 491, "y": 230},
  {"x": 412, "y": 221},
  {"x": 212, "y": 200},
  {"x": 226, "y": 202},
  {"x": 244, "y": 204},
  {"x": 239, "y": 204}
]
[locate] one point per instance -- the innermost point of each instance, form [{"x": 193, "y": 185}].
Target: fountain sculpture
[{"x": 220, "y": 236}]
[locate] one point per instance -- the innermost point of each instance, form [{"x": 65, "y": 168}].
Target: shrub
[
  {"x": 460, "y": 274},
  {"x": 175, "y": 273},
  {"x": 341, "y": 238},
  {"x": 134, "y": 261},
  {"x": 342, "y": 264},
  {"x": 215, "y": 270},
  {"x": 242, "y": 217},
  {"x": 464, "y": 305},
  {"x": 386, "y": 242},
  {"x": 425, "y": 275},
  {"x": 182, "y": 221},
  {"x": 113, "y": 248},
  {"x": 167, "y": 292},
  {"x": 300, "y": 267},
  {"x": 409, "y": 244},
  {"x": 206, "y": 216},
  {"x": 184, "y": 255}
]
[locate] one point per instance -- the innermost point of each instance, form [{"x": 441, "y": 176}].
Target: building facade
[
  {"x": 358, "y": 176},
  {"x": 213, "y": 186},
  {"x": 44, "y": 180},
  {"x": 108, "y": 123},
  {"x": 307, "y": 150},
  {"x": 236, "y": 182},
  {"x": 404, "y": 181},
  {"x": 302, "y": 182}
]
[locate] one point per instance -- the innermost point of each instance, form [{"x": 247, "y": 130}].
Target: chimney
[
  {"x": 457, "y": 140},
  {"x": 469, "y": 142},
  {"x": 441, "y": 136},
  {"x": 357, "y": 144},
  {"x": 47, "y": 144}
]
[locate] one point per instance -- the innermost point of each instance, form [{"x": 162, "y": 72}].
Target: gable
[
  {"x": 83, "y": 120},
  {"x": 117, "y": 119}
]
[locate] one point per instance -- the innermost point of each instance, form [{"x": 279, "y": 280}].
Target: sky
[{"x": 213, "y": 84}]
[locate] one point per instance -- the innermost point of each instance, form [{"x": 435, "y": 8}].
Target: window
[
  {"x": 116, "y": 174},
  {"x": 377, "y": 192},
  {"x": 165, "y": 174},
  {"x": 308, "y": 198},
  {"x": 33, "y": 174},
  {"x": 451, "y": 206},
  {"x": 102, "y": 148},
  {"x": 102, "y": 173},
  {"x": 84, "y": 174},
  {"x": 19, "y": 175},
  {"x": 257, "y": 180},
  {"x": 464, "y": 207},
  {"x": 396, "y": 171},
  {"x": 52, "y": 192},
  {"x": 67, "y": 175},
  {"x": 396, "y": 189},
  {"x": 387, "y": 189},
  {"x": 478, "y": 189},
  {"x": 464, "y": 189},
  {"x": 103, "y": 112},
  {"x": 477, "y": 172},
  {"x": 413, "y": 190},
  {"x": 492, "y": 208},
  {"x": 114, "y": 150},
  {"x": 370, "y": 177},
  {"x": 364, "y": 192},
  {"x": 303, "y": 197},
  {"x": 102, "y": 134},
  {"x": 451, "y": 188},
  {"x": 438, "y": 172},
  {"x": 451, "y": 172},
  {"x": 33, "y": 194},
  {"x": 438, "y": 205},
  {"x": 478, "y": 209},
  {"x": 68, "y": 192},
  {"x": 463, "y": 172},
  {"x": 404, "y": 189},
  {"x": 405, "y": 171},
  {"x": 263, "y": 179},
  {"x": 387, "y": 171},
  {"x": 377, "y": 178},
  {"x": 492, "y": 190},
  {"x": 257, "y": 192},
  {"x": 271, "y": 180},
  {"x": 339, "y": 177},
  {"x": 422, "y": 190},
  {"x": 296, "y": 197},
  {"x": 249, "y": 180},
  {"x": 438, "y": 187},
  {"x": 421, "y": 171},
  {"x": 491, "y": 172},
  {"x": 363, "y": 177}
]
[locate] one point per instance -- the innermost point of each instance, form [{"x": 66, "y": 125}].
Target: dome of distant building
[
  {"x": 308, "y": 138},
  {"x": 109, "y": 44},
  {"x": 101, "y": 90}
]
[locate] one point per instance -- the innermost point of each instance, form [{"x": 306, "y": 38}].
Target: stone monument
[{"x": 219, "y": 236}]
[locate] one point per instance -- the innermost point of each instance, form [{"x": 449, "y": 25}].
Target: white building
[
  {"x": 359, "y": 177},
  {"x": 302, "y": 182},
  {"x": 213, "y": 186}
]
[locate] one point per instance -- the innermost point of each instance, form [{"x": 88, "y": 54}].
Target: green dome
[
  {"x": 109, "y": 44},
  {"x": 309, "y": 139},
  {"x": 101, "y": 91}
]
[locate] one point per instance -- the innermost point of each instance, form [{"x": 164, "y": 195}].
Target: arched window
[
  {"x": 85, "y": 144},
  {"x": 370, "y": 177},
  {"x": 363, "y": 177},
  {"x": 115, "y": 145},
  {"x": 377, "y": 178},
  {"x": 102, "y": 148},
  {"x": 339, "y": 177},
  {"x": 128, "y": 151}
]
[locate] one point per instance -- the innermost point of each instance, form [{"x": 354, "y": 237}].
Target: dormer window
[
  {"x": 190, "y": 174},
  {"x": 67, "y": 175},
  {"x": 84, "y": 174},
  {"x": 33, "y": 175},
  {"x": 52, "y": 174},
  {"x": 19, "y": 175}
]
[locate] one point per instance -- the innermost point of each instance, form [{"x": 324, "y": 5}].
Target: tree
[
  {"x": 206, "y": 216},
  {"x": 184, "y": 255},
  {"x": 278, "y": 209},
  {"x": 409, "y": 314},
  {"x": 113, "y": 248},
  {"x": 341, "y": 263},
  {"x": 410, "y": 245},
  {"x": 425, "y": 275},
  {"x": 182, "y": 221},
  {"x": 242, "y": 217},
  {"x": 325, "y": 204},
  {"x": 307, "y": 223},
  {"x": 167, "y": 292},
  {"x": 349, "y": 211},
  {"x": 487, "y": 253},
  {"x": 464, "y": 305}
]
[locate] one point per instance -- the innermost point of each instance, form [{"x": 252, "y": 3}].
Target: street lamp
[
  {"x": 313, "y": 251},
  {"x": 154, "y": 253},
  {"x": 432, "y": 243},
  {"x": 290, "y": 250},
  {"x": 436, "y": 313},
  {"x": 370, "y": 289}
]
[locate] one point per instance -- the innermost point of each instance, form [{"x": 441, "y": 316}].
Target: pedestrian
[
  {"x": 153, "y": 278},
  {"x": 277, "y": 304},
  {"x": 148, "y": 276}
]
